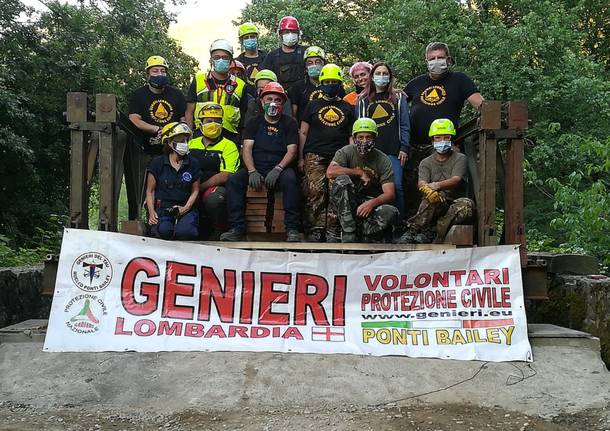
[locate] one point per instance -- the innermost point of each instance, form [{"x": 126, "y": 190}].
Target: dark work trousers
[
  {"x": 237, "y": 187},
  {"x": 135, "y": 162}
]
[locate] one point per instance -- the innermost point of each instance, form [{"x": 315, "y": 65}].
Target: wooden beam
[
  {"x": 325, "y": 247},
  {"x": 513, "y": 198},
  {"x": 105, "y": 112},
  {"x": 76, "y": 111}
]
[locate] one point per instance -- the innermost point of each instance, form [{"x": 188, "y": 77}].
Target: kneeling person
[
  {"x": 269, "y": 148},
  {"x": 363, "y": 186},
  {"x": 218, "y": 158},
  {"x": 442, "y": 179},
  {"x": 172, "y": 186}
]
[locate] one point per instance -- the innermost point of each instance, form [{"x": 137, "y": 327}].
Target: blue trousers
[
  {"x": 237, "y": 186},
  {"x": 400, "y": 199},
  {"x": 185, "y": 228}
]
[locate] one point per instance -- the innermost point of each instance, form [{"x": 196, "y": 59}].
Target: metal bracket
[{"x": 91, "y": 126}]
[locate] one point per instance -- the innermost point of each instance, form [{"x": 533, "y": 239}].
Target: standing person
[
  {"x": 287, "y": 61},
  {"x": 221, "y": 87},
  {"x": 362, "y": 192},
  {"x": 442, "y": 179},
  {"x": 325, "y": 128},
  {"x": 390, "y": 110},
  {"x": 307, "y": 90},
  {"x": 359, "y": 72},
  {"x": 251, "y": 57},
  {"x": 270, "y": 147},
  {"x": 218, "y": 158},
  {"x": 172, "y": 187},
  {"x": 151, "y": 107},
  {"x": 440, "y": 93}
]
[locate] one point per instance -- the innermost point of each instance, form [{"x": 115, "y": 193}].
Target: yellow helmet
[
  {"x": 155, "y": 60},
  {"x": 364, "y": 125},
  {"x": 441, "y": 126},
  {"x": 331, "y": 71},
  {"x": 247, "y": 28},
  {"x": 210, "y": 110},
  {"x": 173, "y": 129},
  {"x": 314, "y": 51}
]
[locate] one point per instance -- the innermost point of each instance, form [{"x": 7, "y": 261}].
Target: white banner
[{"x": 118, "y": 292}]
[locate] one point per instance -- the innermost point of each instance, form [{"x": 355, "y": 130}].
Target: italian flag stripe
[
  {"x": 388, "y": 324},
  {"x": 487, "y": 323}
]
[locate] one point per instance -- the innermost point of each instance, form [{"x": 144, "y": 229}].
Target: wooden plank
[
  {"x": 76, "y": 111},
  {"x": 105, "y": 111},
  {"x": 486, "y": 207},
  {"x": 329, "y": 247},
  {"x": 460, "y": 235},
  {"x": 514, "y": 219},
  {"x": 255, "y": 211}
]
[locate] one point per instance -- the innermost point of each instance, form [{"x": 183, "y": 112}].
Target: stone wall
[
  {"x": 20, "y": 295},
  {"x": 579, "y": 302}
]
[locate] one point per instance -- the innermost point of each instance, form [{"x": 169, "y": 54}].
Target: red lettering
[
  {"x": 149, "y": 290},
  {"x": 389, "y": 282},
  {"x": 224, "y": 299},
  {"x": 166, "y": 329},
  {"x": 505, "y": 276},
  {"x": 440, "y": 279},
  {"x": 304, "y": 300},
  {"x": 247, "y": 297},
  {"x": 193, "y": 330},
  {"x": 259, "y": 332},
  {"x": 139, "y": 328},
  {"x": 473, "y": 278},
  {"x": 372, "y": 285},
  {"x": 505, "y": 297},
  {"x": 366, "y": 299},
  {"x": 234, "y": 331},
  {"x": 215, "y": 331},
  {"x": 491, "y": 276},
  {"x": 173, "y": 289},
  {"x": 293, "y": 332},
  {"x": 269, "y": 296},
  {"x": 118, "y": 328},
  {"x": 457, "y": 277},
  {"x": 339, "y": 291},
  {"x": 422, "y": 280}
]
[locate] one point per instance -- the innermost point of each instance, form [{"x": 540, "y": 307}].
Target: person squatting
[{"x": 373, "y": 165}]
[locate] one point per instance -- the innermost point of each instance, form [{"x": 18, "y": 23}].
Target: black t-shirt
[
  {"x": 173, "y": 187},
  {"x": 270, "y": 140},
  {"x": 289, "y": 67},
  {"x": 304, "y": 92},
  {"x": 330, "y": 126},
  {"x": 436, "y": 98},
  {"x": 385, "y": 114},
  {"x": 252, "y": 65}
]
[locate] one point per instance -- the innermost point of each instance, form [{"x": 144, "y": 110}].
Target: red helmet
[
  {"x": 289, "y": 23},
  {"x": 274, "y": 88},
  {"x": 236, "y": 64}
]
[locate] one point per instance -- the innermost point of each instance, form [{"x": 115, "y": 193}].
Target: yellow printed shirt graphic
[
  {"x": 161, "y": 111},
  {"x": 330, "y": 126},
  {"x": 434, "y": 95}
]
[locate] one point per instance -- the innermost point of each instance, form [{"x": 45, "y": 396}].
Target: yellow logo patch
[
  {"x": 161, "y": 111},
  {"x": 434, "y": 95}
]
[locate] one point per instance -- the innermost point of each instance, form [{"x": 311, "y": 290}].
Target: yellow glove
[{"x": 430, "y": 195}]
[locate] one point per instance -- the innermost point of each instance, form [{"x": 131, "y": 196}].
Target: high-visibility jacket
[
  {"x": 221, "y": 156},
  {"x": 228, "y": 96}
]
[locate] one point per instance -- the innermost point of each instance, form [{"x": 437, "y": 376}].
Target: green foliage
[{"x": 97, "y": 47}]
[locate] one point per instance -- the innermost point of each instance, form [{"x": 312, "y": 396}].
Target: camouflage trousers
[
  {"x": 439, "y": 217},
  {"x": 343, "y": 204},
  {"x": 315, "y": 191}
]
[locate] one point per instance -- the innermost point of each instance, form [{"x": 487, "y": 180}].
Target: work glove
[
  {"x": 255, "y": 180},
  {"x": 430, "y": 195},
  {"x": 272, "y": 177}
]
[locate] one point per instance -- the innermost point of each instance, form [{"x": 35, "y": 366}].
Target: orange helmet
[
  {"x": 274, "y": 88},
  {"x": 236, "y": 64}
]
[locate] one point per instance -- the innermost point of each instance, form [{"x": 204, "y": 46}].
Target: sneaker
[
  {"x": 349, "y": 237},
  {"x": 233, "y": 235},
  {"x": 293, "y": 235}
]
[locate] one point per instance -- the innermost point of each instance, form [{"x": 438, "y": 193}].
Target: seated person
[
  {"x": 255, "y": 108},
  {"x": 442, "y": 178},
  {"x": 363, "y": 186},
  {"x": 172, "y": 186},
  {"x": 218, "y": 158},
  {"x": 270, "y": 147}
]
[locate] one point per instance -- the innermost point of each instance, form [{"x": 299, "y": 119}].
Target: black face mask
[
  {"x": 158, "y": 81},
  {"x": 358, "y": 89}
]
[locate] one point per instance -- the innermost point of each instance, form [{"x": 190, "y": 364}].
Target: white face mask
[
  {"x": 438, "y": 66},
  {"x": 181, "y": 148},
  {"x": 290, "y": 39}
]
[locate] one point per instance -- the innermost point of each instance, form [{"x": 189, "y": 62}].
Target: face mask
[
  {"x": 211, "y": 130},
  {"x": 442, "y": 147},
  {"x": 364, "y": 147},
  {"x": 250, "y": 44},
  {"x": 158, "y": 81},
  {"x": 331, "y": 90},
  {"x": 221, "y": 65},
  {"x": 290, "y": 39},
  {"x": 314, "y": 70},
  {"x": 358, "y": 89},
  {"x": 438, "y": 66},
  {"x": 381, "y": 81},
  {"x": 272, "y": 109},
  {"x": 181, "y": 148}
]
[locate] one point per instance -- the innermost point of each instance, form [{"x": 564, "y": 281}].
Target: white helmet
[{"x": 223, "y": 44}]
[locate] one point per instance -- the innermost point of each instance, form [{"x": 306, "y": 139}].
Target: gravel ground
[{"x": 452, "y": 417}]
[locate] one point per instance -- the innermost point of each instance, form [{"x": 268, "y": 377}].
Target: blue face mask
[
  {"x": 250, "y": 44},
  {"x": 442, "y": 147},
  {"x": 158, "y": 81},
  {"x": 331, "y": 90},
  {"x": 381, "y": 81},
  {"x": 314, "y": 70},
  {"x": 221, "y": 65}
]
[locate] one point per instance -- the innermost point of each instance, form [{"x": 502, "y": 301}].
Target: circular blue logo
[{"x": 187, "y": 177}]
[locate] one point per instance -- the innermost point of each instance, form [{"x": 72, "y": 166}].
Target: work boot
[
  {"x": 293, "y": 235},
  {"x": 349, "y": 237},
  {"x": 233, "y": 235},
  {"x": 406, "y": 237},
  {"x": 315, "y": 235},
  {"x": 333, "y": 235},
  {"x": 424, "y": 237},
  {"x": 373, "y": 238}
]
